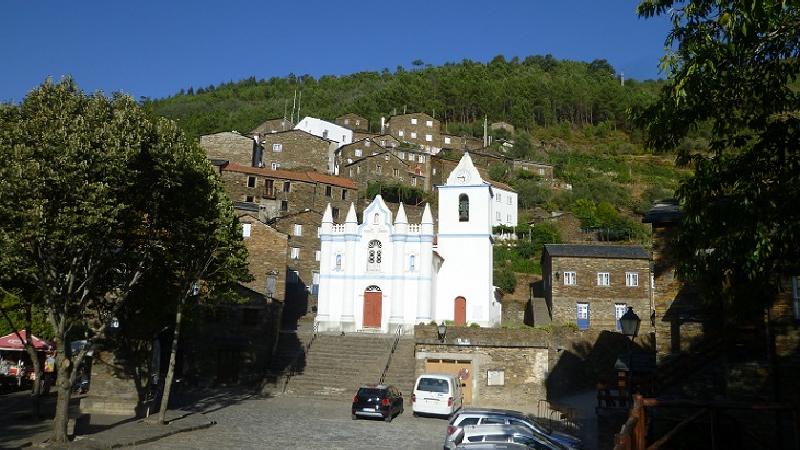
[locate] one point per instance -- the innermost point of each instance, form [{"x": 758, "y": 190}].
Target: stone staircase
[{"x": 335, "y": 366}]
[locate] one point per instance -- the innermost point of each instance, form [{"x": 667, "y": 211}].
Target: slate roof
[
  {"x": 664, "y": 211},
  {"x": 308, "y": 176},
  {"x": 597, "y": 251}
]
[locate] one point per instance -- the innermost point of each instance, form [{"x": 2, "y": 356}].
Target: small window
[
  {"x": 541, "y": 172},
  {"x": 383, "y": 143},
  {"x": 277, "y": 148},
  {"x": 413, "y": 181},
  {"x": 246, "y": 228},
  {"x": 396, "y": 172},
  {"x": 295, "y": 253},
  {"x": 328, "y": 191},
  {"x": 349, "y": 161},
  {"x": 413, "y": 135},
  {"x": 428, "y": 123},
  {"x": 401, "y": 155},
  {"x": 499, "y": 197},
  {"x": 317, "y": 255},
  {"x": 344, "y": 194},
  {"x": 412, "y": 263},
  {"x": 378, "y": 169},
  {"x": 346, "y": 121},
  {"x": 428, "y": 138},
  {"x": 374, "y": 255},
  {"x": 350, "y": 171},
  {"x": 446, "y": 140},
  {"x": 248, "y": 198},
  {"x": 619, "y": 311},
  {"x": 385, "y": 157},
  {"x": 508, "y": 200},
  {"x": 631, "y": 279},
  {"x": 401, "y": 133},
  {"x": 358, "y": 122},
  {"x": 251, "y": 182},
  {"x": 287, "y": 186},
  {"x": 314, "y": 283},
  {"x": 413, "y": 121},
  {"x": 272, "y": 279},
  {"x": 275, "y": 165},
  {"x": 603, "y": 279},
  {"x": 269, "y": 187},
  {"x": 375, "y": 219},
  {"x": 582, "y": 315},
  {"x": 508, "y": 218},
  {"x": 498, "y": 216},
  {"x": 284, "y": 205},
  {"x": 298, "y": 229},
  {"x": 410, "y": 156},
  {"x": 463, "y": 208},
  {"x": 434, "y": 170},
  {"x": 569, "y": 278},
  {"x": 335, "y": 213},
  {"x": 358, "y": 152},
  {"x": 422, "y": 158},
  {"x": 325, "y": 134},
  {"x": 358, "y": 169},
  {"x": 338, "y": 262}
]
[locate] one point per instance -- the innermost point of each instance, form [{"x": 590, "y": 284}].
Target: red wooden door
[
  {"x": 461, "y": 311},
  {"x": 372, "y": 309}
]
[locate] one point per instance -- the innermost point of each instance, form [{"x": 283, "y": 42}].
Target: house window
[
  {"x": 619, "y": 310},
  {"x": 422, "y": 158},
  {"x": 325, "y": 134},
  {"x": 396, "y": 173},
  {"x": 385, "y": 157},
  {"x": 248, "y": 198},
  {"x": 463, "y": 208},
  {"x": 383, "y": 143},
  {"x": 497, "y": 216},
  {"x": 358, "y": 169},
  {"x": 508, "y": 200},
  {"x": 314, "y": 283},
  {"x": 401, "y": 133},
  {"x": 631, "y": 278},
  {"x": 541, "y": 172},
  {"x": 358, "y": 152},
  {"x": 603, "y": 279},
  {"x": 499, "y": 197},
  {"x": 412, "y": 263},
  {"x": 284, "y": 205},
  {"x": 413, "y": 181},
  {"x": 317, "y": 255},
  {"x": 374, "y": 256},
  {"x": 295, "y": 253},
  {"x": 375, "y": 219},
  {"x": 287, "y": 186},
  {"x": 428, "y": 138},
  {"x": 246, "y": 227},
  {"x": 346, "y": 121},
  {"x": 413, "y": 135},
  {"x": 569, "y": 278},
  {"x": 275, "y": 165},
  {"x": 508, "y": 218},
  {"x": 350, "y": 171},
  {"x": 446, "y": 140},
  {"x": 277, "y": 148},
  {"x": 401, "y": 155},
  {"x": 366, "y": 143},
  {"x": 428, "y": 123},
  {"x": 269, "y": 187},
  {"x": 582, "y": 315},
  {"x": 344, "y": 194},
  {"x": 434, "y": 170},
  {"x": 338, "y": 267},
  {"x": 251, "y": 182},
  {"x": 335, "y": 213},
  {"x": 410, "y": 156},
  {"x": 292, "y": 277},
  {"x": 328, "y": 191},
  {"x": 378, "y": 169},
  {"x": 298, "y": 229},
  {"x": 413, "y": 121},
  {"x": 358, "y": 122}
]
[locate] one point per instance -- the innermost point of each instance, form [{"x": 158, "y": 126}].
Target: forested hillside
[{"x": 537, "y": 91}]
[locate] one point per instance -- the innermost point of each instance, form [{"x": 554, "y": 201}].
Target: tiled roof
[
  {"x": 309, "y": 176},
  {"x": 597, "y": 251}
]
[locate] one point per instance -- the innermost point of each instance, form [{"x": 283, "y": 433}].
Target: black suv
[{"x": 377, "y": 400}]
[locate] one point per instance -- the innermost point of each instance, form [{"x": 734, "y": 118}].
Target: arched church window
[
  {"x": 375, "y": 219},
  {"x": 412, "y": 263},
  {"x": 338, "y": 262},
  {"x": 463, "y": 208},
  {"x": 374, "y": 256}
]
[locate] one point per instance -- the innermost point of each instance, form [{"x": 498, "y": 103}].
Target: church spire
[
  {"x": 401, "y": 215},
  {"x": 427, "y": 217},
  {"x": 327, "y": 216},
  {"x": 351, "y": 214}
]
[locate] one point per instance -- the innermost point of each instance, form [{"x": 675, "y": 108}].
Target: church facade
[{"x": 383, "y": 272}]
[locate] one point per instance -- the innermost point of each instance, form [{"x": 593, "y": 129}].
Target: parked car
[
  {"x": 483, "y": 416},
  {"x": 504, "y": 433},
  {"x": 436, "y": 394},
  {"x": 491, "y": 446},
  {"x": 377, "y": 400}
]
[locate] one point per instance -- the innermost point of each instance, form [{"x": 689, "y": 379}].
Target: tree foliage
[{"x": 733, "y": 68}]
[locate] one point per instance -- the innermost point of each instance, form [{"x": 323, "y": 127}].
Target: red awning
[{"x": 12, "y": 342}]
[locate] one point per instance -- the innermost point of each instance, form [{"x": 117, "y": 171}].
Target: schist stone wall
[
  {"x": 230, "y": 146},
  {"x": 297, "y": 149}
]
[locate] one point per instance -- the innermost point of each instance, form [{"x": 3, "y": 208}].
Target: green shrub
[{"x": 505, "y": 280}]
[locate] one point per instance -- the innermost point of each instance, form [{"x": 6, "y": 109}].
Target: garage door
[{"x": 458, "y": 367}]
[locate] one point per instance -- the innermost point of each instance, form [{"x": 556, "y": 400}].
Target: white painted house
[
  {"x": 326, "y": 130},
  {"x": 383, "y": 273},
  {"x": 504, "y": 207}
]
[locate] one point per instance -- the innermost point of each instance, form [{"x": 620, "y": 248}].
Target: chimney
[
  {"x": 257, "y": 152},
  {"x": 485, "y": 131},
  {"x": 383, "y": 125}
]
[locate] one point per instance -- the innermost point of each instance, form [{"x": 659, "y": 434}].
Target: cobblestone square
[{"x": 308, "y": 423}]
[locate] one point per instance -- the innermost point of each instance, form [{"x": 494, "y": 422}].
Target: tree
[
  {"x": 92, "y": 192},
  {"x": 734, "y": 65}
]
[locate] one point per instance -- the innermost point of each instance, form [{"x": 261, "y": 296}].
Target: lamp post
[
  {"x": 441, "y": 331},
  {"x": 629, "y": 323}
]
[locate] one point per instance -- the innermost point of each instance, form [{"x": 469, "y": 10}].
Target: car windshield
[
  {"x": 432, "y": 385},
  {"x": 369, "y": 393}
]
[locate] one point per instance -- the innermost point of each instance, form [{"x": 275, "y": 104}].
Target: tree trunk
[
  {"x": 171, "y": 370},
  {"x": 64, "y": 392},
  {"x": 38, "y": 373}
]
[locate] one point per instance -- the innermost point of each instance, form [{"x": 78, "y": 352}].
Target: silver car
[
  {"x": 504, "y": 433},
  {"x": 483, "y": 416}
]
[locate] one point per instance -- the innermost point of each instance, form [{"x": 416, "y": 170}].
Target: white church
[{"x": 384, "y": 272}]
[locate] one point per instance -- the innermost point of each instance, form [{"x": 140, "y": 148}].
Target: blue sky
[{"x": 154, "y": 48}]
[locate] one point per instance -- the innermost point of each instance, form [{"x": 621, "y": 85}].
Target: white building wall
[
  {"x": 325, "y": 129},
  {"x": 504, "y": 207}
]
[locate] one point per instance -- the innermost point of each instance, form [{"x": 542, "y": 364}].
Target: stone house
[
  {"x": 502, "y": 126},
  {"x": 229, "y": 146},
  {"x": 382, "y": 167},
  {"x": 302, "y": 274},
  {"x": 273, "y": 126},
  {"x": 348, "y": 153},
  {"x": 591, "y": 286},
  {"x": 353, "y": 122},
  {"x": 543, "y": 170},
  {"x": 326, "y": 130},
  {"x": 282, "y": 192},
  {"x": 297, "y": 149}
]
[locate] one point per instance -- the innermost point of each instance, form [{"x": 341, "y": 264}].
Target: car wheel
[{"x": 415, "y": 414}]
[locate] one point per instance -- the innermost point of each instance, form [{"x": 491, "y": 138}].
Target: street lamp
[
  {"x": 629, "y": 322},
  {"x": 441, "y": 330}
]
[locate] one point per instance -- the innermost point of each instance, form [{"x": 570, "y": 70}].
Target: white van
[{"x": 438, "y": 394}]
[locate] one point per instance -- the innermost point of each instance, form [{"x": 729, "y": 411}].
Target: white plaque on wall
[{"x": 496, "y": 378}]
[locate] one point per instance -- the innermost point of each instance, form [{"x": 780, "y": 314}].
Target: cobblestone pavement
[{"x": 308, "y": 423}]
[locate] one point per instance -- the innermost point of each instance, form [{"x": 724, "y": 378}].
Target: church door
[
  {"x": 461, "y": 311},
  {"x": 372, "y": 307}
]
